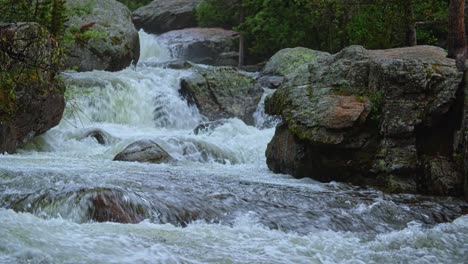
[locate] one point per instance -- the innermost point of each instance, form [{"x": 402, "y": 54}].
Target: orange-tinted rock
[{"x": 344, "y": 111}]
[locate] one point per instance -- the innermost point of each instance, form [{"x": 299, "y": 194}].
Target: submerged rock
[
  {"x": 114, "y": 43},
  {"x": 99, "y": 135},
  {"x": 107, "y": 205},
  {"x": 386, "y": 118},
  {"x": 208, "y": 127},
  {"x": 161, "y": 16},
  {"x": 212, "y": 46},
  {"x": 34, "y": 102},
  {"x": 203, "y": 151},
  {"x": 222, "y": 92},
  {"x": 144, "y": 151},
  {"x": 82, "y": 204}
]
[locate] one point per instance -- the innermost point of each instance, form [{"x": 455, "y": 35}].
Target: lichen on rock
[
  {"x": 386, "y": 118},
  {"x": 31, "y": 94}
]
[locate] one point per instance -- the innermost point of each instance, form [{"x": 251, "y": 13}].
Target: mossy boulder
[
  {"x": 31, "y": 95},
  {"x": 104, "y": 36},
  {"x": 386, "y": 118},
  {"x": 222, "y": 92},
  {"x": 291, "y": 61},
  {"x": 288, "y": 63}
]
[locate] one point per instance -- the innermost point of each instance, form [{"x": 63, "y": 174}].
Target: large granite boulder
[
  {"x": 144, "y": 151},
  {"x": 161, "y": 15},
  {"x": 31, "y": 97},
  {"x": 386, "y": 118},
  {"x": 222, "y": 92},
  {"x": 105, "y": 38},
  {"x": 287, "y": 62},
  {"x": 212, "y": 46}
]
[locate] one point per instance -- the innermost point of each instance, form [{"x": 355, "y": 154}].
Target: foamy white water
[{"x": 217, "y": 204}]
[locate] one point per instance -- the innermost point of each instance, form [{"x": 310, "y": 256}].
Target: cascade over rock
[
  {"x": 386, "y": 118},
  {"x": 222, "y": 92},
  {"x": 144, "y": 151},
  {"x": 212, "y": 46},
  {"x": 117, "y": 45},
  {"x": 161, "y": 16},
  {"x": 31, "y": 97}
]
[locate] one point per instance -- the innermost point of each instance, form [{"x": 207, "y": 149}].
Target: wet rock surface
[
  {"x": 144, "y": 151},
  {"x": 222, "y": 92},
  {"x": 373, "y": 117},
  {"x": 101, "y": 136},
  {"x": 208, "y": 127}
]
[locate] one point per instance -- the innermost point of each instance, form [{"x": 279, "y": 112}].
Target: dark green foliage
[
  {"x": 382, "y": 23},
  {"x": 215, "y": 13},
  {"x": 134, "y": 4},
  {"x": 49, "y": 13},
  {"x": 276, "y": 24},
  {"x": 327, "y": 25}
]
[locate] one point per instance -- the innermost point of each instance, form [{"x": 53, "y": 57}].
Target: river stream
[{"x": 218, "y": 203}]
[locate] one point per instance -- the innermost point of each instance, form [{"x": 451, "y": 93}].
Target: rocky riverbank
[{"x": 393, "y": 119}]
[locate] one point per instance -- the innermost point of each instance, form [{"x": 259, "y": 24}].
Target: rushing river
[{"x": 218, "y": 203}]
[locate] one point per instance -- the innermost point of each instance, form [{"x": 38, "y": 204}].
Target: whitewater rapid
[{"x": 218, "y": 203}]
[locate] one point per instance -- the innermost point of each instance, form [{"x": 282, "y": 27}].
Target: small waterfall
[
  {"x": 151, "y": 50},
  {"x": 263, "y": 120},
  {"x": 143, "y": 102},
  {"x": 148, "y": 97}
]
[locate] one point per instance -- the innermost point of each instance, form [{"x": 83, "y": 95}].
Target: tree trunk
[
  {"x": 241, "y": 37},
  {"x": 411, "y": 39},
  {"x": 456, "y": 32}
]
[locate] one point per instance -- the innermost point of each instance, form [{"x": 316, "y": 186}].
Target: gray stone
[
  {"x": 161, "y": 16},
  {"x": 290, "y": 63},
  {"x": 271, "y": 82},
  {"x": 118, "y": 45},
  {"x": 212, "y": 46}
]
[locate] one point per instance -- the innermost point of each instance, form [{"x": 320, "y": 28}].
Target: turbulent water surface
[{"x": 217, "y": 204}]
